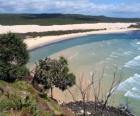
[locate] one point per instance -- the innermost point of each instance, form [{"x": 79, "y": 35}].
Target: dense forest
[{"x": 52, "y": 19}]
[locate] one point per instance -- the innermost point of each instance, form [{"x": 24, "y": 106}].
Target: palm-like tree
[{"x": 54, "y": 73}]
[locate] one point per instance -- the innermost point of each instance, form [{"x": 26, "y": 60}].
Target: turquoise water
[{"x": 110, "y": 51}]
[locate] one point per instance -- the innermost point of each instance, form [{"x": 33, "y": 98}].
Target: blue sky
[{"x": 115, "y": 8}]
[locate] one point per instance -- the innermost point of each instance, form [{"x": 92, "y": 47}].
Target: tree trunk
[
  {"x": 84, "y": 106},
  {"x": 51, "y": 92}
]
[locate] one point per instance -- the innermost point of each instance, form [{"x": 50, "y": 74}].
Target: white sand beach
[
  {"x": 33, "y": 43},
  {"x": 37, "y": 28}
]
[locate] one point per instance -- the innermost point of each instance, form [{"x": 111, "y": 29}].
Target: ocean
[{"x": 118, "y": 52}]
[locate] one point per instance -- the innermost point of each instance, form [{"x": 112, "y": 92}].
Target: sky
[{"x": 114, "y": 8}]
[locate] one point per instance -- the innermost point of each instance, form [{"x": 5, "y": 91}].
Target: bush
[
  {"x": 52, "y": 73},
  {"x": 13, "y": 57},
  {"x": 14, "y": 102},
  {"x": 11, "y": 102}
]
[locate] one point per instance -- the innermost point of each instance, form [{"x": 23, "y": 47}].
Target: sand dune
[{"x": 37, "y": 28}]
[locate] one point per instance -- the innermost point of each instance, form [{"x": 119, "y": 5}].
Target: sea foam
[
  {"x": 138, "y": 43},
  {"x": 134, "y": 62},
  {"x": 132, "y": 95},
  {"x": 127, "y": 53},
  {"x": 130, "y": 84},
  {"x": 130, "y": 87}
]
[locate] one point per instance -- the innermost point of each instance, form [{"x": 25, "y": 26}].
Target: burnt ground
[{"x": 95, "y": 109}]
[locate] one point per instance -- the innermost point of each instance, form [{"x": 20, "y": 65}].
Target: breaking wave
[
  {"x": 134, "y": 62},
  {"x": 131, "y": 87}
]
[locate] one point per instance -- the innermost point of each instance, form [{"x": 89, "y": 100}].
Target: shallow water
[{"x": 110, "y": 52}]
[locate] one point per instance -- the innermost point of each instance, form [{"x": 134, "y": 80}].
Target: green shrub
[
  {"x": 13, "y": 58},
  {"x": 10, "y": 102},
  {"x": 27, "y": 102}
]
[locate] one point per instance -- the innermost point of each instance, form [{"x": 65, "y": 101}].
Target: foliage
[
  {"x": 57, "y": 19},
  {"x": 50, "y": 33},
  {"x": 51, "y": 72},
  {"x": 10, "y": 102},
  {"x": 13, "y": 57},
  {"x": 15, "y": 103},
  {"x": 31, "y": 105},
  {"x": 135, "y": 25},
  {"x": 21, "y": 99}
]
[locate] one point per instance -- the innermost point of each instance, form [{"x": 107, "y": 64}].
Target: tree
[
  {"x": 13, "y": 57},
  {"x": 92, "y": 89},
  {"x": 52, "y": 73}
]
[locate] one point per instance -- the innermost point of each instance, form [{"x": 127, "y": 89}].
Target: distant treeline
[
  {"x": 57, "y": 19},
  {"x": 49, "y": 33}
]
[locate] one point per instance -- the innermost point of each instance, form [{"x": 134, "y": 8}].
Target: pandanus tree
[
  {"x": 13, "y": 57},
  {"x": 52, "y": 73}
]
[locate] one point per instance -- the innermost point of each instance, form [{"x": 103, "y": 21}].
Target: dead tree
[
  {"x": 95, "y": 86},
  {"x": 114, "y": 85}
]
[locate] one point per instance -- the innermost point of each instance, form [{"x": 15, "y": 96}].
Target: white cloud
[{"x": 66, "y": 6}]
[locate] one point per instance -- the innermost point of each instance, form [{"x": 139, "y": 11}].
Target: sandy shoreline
[
  {"x": 37, "y": 28},
  {"x": 34, "y": 43}
]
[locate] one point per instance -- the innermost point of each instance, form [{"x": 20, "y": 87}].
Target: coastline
[
  {"x": 38, "y": 42},
  {"x": 38, "y": 28}
]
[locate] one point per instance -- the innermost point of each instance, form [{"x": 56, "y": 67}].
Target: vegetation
[
  {"x": 53, "y": 19},
  {"x": 135, "y": 26},
  {"x": 49, "y": 33},
  {"x": 100, "y": 106},
  {"x": 95, "y": 109},
  {"x": 13, "y": 57},
  {"x": 53, "y": 73},
  {"x": 21, "y": 98}
]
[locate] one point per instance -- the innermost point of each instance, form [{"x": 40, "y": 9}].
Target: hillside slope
[
  {"x": 57, "y": 19},
  {"x": 21, "y": 99}
]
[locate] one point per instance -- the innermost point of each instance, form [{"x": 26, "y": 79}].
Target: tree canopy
[
  {"x": 13, "y": 57},
  {"x": 54, "y": 73}
]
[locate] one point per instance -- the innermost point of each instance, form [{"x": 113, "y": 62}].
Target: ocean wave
[
  {"x": 108, "y": 59},
  {"x": 135, "y": 44},
  {"x": 115, "y": 54},
  {"x": 138, "y": 43},
  {"x": 134, "y": 62},
  {"x": 74, "y": 55},
  {"x": 128, "y": 53},
  {"x": 132, "y": 94},
  {"x": 130, "y": 87},
  {"x": 130, "y": 84},
  {"x": 135, "y": 89}
]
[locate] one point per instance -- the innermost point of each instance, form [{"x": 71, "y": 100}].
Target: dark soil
[{"x": 91, "y": 110}]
